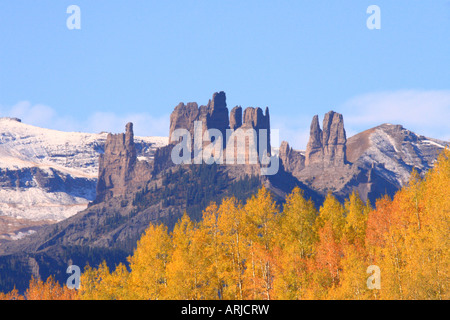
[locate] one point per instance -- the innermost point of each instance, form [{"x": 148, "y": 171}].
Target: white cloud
[
  {"x": 143, "y": 123},
  {"x": 424, "y": 112},
  {"x": 293, "y": 129},
  {"x": 40, "y": 115},
  {"x": 47, "y": 117}
]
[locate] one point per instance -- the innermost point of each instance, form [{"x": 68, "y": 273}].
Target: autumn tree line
[{"x": 258, "y": 251}]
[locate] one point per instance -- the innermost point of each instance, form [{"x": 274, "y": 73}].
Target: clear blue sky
[{"x": 139, "y": 59}]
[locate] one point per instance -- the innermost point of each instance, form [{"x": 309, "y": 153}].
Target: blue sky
[{"x": 136, "y": 60}]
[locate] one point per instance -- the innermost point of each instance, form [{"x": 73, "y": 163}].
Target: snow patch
[
  {"x": 433, "y": 143},
  {"x": 72, "y": 154},
  {"x": 21, "y": 235}
]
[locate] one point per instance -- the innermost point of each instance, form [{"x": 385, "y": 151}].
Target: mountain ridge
[
  {"x": 48, "y": 175},
  {"x": 132, "y": 192}
]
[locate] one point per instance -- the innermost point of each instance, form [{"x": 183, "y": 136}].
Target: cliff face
[
  {"x": 254, "y": 118},
  {"x": 373, "y": 162},
  {"x": 293, "y": 161},
  {"x": 327, "y": 148},
  {"x": 236, "y": 117},
  {"x": 215, "y": 116},
  {"x": 324, "y": 166},
  {"x": 119, "y": 170}
]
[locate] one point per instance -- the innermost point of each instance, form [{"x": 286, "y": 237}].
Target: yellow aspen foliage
[
  {"x": 295, "y": 243},
  {"x": 12, "y": 295},
  {"x": 253, "y": 251},
  {"x": 148, "y": 279},
  {"x": 209, "y": 237},
  {"x": 410, "y": 242},
  {"x": 262, "y": 226},
  {"x": 87, "y": 289},
  {"x": 118, "y": 284},
  {"x": 100, "y": 284},
  {"x": 296, "y": 224},
  {"x": 48, "y": 290},
  {"x": 234, "y": 250},
  {"x": 185, "y": 272},
  {"x": 331, "y": 211},
  {"x": 353, "y": 276},
  {"x": 356, "y": 213},
  {"x": 436, "y": 223},
  {"x": 328, "y": 255}
]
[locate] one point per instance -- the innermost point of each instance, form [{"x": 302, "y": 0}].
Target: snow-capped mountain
[
  {"x": 51, "y": 175},
  {"x": 48, "y": 176},
  {"x": 374, "y": 162},
  {"x": 393, "y": 151}
]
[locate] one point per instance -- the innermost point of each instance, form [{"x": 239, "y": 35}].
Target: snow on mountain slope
[
  {"x": 393, "y": 151},
  {"x": 51, "y": 175}
]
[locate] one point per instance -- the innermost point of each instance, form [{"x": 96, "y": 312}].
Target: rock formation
[
  {"x": 236, "y": 118},
  {"x": 183, "y": 116},
  {"x": 314, "y": 149},
  {"x": 119, "y": 170},
  {"x": 334, "y": 139},
  {"x": 328, "y": 147},
  {"x": 293, "y": 161},
  {"x": 325, "y": 166},
  {"x": 215, "y": 116},
  {"x": 379, "y": 160},
  {"x": 255, "y": 119}
]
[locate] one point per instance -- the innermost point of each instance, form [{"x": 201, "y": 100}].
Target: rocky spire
[
  {"x": 256, "y": 119},
  {"x": 183, "y": 116},
  {"x": 236, "y": 118},
  {"x": 293, "y": 161},
  {"x": 334, "y": 139},
  {"x": 284, "y": 153},
  {"x": 314, "y": 149},
  {"x": 117, "y": 164},
  {"x": 130, "y": 148},
  {"x": 327, "y": 147},
  {"x": 215, "y": 116}
]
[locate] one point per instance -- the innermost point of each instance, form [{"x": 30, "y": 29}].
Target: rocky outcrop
[
  {"x": 334, "y": 139},
  {"x": 183, "y": 116},
  {"x": 215, "y": 116},
  {"x": 254, "y": 118},
  {"x": 119, "y": 170},
  {"x": 109, "y": 229},
  {"x": 293, "y": 161},
  {"x": 325, "y": 165},
  {"x": 236, "y": 118},
  {"x": 327, "y": 147},
  {"x": 374, "y": 162},
  {"x": 314, "y": 149}
]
